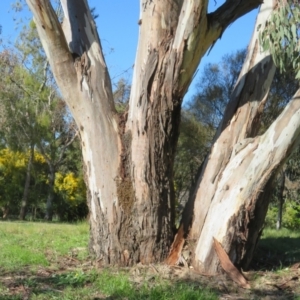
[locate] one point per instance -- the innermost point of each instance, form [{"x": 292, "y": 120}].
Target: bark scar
[{"x": 82, "y": 65}]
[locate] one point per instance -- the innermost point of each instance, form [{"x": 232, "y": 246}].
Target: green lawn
[
  {"x": 42, "y": 261},
  {"x": 277, "y": 249},
  {"x": 45, "y": 261},
  {"x": 35, "y": 244}
]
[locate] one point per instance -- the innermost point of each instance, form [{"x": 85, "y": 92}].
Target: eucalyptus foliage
[{"x": 280, "y": 36}]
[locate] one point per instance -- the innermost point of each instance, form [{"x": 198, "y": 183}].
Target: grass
[
  {"x": 42, "y": 261},
  {"x": 35, "y": 244},
  {"x": 159, "y": 289},
  {"x": 277, "y": 249}
]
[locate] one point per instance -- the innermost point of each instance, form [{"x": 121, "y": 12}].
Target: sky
[{"x": 118, "y": 29}]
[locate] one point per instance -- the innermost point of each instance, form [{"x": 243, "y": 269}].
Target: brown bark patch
[
  {"x": 229, "y": 267},
  {"x": 176, "y": 248},
  {"x": 125, "y": 194},
  {"x": 125, "y": 188}
]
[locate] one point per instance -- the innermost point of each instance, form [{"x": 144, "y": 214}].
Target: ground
[{"x": 50, "y": 261}]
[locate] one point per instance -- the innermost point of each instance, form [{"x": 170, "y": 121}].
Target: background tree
[
  {"x": 214, "y": 88},
  {"x": 58, "y": 133},
  {"x": 193, "y": 144},
  {"x": 12, "y": 177},
  {"x": 34, "y": 116}
]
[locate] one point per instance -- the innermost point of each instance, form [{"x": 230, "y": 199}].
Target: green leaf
[
  {"x": 298, "y": 74},
  {"x": 294, "y": 32}
]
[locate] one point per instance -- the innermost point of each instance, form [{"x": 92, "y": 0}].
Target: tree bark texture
[{"x": 129, "y": 157}]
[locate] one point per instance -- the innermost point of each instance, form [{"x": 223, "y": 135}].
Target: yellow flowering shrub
[{"x": 70, "y": 186}]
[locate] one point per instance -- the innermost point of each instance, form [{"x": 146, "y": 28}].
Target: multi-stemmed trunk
[{"x": 128, "y": 157}]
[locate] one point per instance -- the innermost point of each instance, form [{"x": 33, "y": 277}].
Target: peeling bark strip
[{"x": 229, "y": 268}]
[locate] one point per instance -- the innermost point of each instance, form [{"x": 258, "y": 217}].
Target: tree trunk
[
  {"x": 34, "y": 209},
  {"x": 5, "y": 212},
  {"x": 24, "y": 202},
  {"x": 129, "y": 157},
  {"x": 236, "y": 179},
  {"x": 50, "y": 196},
  {"x": 231, "y": 198},
  {"x": 238, "y": 128},
  {"x": 280, "y": 199},
  {"x": 237, "y": 212}
]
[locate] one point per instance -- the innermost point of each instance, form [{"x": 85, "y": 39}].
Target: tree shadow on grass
[
  {"x": 67, "y": 286},
  {"x": 193, "y": 290},
  {"x": 45, "y": 284},
  {"x": 275, "y": 253}
]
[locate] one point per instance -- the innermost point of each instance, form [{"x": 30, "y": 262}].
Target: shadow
[
  {"x": 25, "y": 285},
  {"x": 109, "y": 285},
  {"x": 275, "y": 253},
  {"x": 22, "y": 284},
  {"x": 197, "y": 290}
]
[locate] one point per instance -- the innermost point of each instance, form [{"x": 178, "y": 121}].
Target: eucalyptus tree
[
  {"x": 231, "y": 198},
  {"x": 129, "y": 156}
]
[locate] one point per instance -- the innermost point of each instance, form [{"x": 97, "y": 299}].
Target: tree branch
[
  {"x": 64, "y": 148},
  {"x": 230, "y": 11},
  {"x": 54, "y": 44},
  {"x": 198, "y": 31},
  {"x": 44, "y": 77}
]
